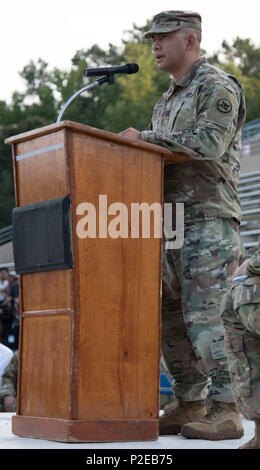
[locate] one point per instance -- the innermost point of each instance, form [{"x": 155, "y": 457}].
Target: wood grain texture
[
  {"x": 46, "y": 290},
  {"x": 45, "y": 372},
  {"x": 86, "y": 431},
  {"x": 119, "y": 287},
  {"x": 41, "y": 177}
]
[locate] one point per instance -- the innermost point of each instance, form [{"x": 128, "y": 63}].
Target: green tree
[
  {"x": 242, "y": 59},
  {"x": 248, "y": 56}
]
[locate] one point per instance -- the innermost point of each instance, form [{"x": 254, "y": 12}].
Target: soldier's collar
[{"x": 186, "y": 79}]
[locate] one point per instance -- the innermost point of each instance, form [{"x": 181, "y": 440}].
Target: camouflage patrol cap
[{"x": 174, "y": 20}]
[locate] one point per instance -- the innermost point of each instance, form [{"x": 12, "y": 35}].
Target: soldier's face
[{"x": 169, "y": 50}]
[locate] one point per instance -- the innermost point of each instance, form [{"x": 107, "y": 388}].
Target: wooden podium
[{"x": 90, "y": 334}]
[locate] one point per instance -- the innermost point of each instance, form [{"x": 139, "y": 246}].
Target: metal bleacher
[
  {"x": 249, "y": 187},
  {"x": 249, "y": 194},
  {"x": 6, "y": 234},
  {"x": 251, "y": 131}
]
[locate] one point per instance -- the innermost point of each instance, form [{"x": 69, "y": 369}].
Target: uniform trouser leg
[
  {"x": 189, "y": 383},
  {"x": 204, "y": 267},
  {"x": 241, "y": 319}
]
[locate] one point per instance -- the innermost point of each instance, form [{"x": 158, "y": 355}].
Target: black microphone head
[
  {"x": 132, "y": 68},
  {"x": 128, "y": 68}
]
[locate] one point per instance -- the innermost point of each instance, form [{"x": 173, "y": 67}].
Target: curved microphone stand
[{"x": 107, "y": 78}]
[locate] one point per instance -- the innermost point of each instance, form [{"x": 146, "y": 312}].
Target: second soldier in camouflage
[{"x": 240, "y": 310}]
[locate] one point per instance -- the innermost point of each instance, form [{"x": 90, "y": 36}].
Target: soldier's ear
[{"x": 190, "y": 41}]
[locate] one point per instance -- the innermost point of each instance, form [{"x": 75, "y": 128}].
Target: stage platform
[{"x": 9, "y": 441}]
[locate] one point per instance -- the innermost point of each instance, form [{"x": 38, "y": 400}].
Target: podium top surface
[{"x": 88, "y": 130}]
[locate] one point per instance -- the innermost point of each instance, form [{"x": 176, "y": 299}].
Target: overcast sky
[{"x": 55, "y": 29}]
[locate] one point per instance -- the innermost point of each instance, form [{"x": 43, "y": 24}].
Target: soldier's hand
[
  {"x": 131, "y": 133},
  {"x": 241, "y": 269}
]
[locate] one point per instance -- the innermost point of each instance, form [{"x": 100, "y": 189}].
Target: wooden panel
[
  {"x": 46, "y": 290},
  {"x": 119, "y": 288},
  {"x": 42, "y": 176},
  {"x": 45, "y": 371},
  {"x": 85, "y": 431}
]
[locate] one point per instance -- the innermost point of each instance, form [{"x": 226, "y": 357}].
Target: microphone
[{"x": 128, "y": 68}]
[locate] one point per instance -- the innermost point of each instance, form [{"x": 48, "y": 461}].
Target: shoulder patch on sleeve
[{"x": 224, "y": 105}]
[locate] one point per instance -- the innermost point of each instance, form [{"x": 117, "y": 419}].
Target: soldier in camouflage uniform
[
  {"x": 240, "y": 311},
  {"x": 8, "y": 390},
  {"x": 201, "y": 115}
]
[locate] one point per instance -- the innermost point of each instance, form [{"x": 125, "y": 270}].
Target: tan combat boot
[
  {"x": 170, "y": 407},
  {"x": 222, "y": 422},
  {"x": 255, "y": 442},
  {"x": 179, "y": 413}
]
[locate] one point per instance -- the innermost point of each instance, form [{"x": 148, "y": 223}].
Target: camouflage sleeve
[
  {"x": 150, "y": 127},
  {"x": 9, "y": 378},
  {"x": 253, "y": 267},
  {"x": 214, "y": 128}
]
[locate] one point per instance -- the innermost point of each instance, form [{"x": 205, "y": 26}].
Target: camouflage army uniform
[
  {"x": 9, "y": 381},
  {"x": 240, "y": 311},
  {"x": 201, "y": 114}
]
